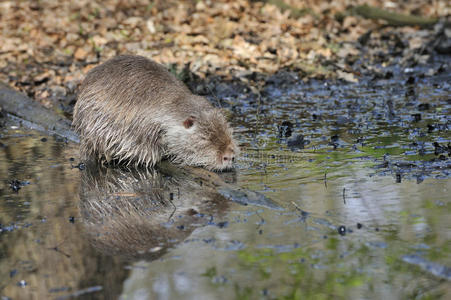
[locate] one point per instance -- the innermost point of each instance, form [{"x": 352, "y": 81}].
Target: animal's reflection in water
[{"x": 139, "y": 214}]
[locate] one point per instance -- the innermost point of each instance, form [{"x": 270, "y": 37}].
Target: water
[{"x": 364, "y": 197}]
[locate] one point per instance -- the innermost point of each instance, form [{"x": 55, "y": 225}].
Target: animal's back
[
  {"x": 131, "y": 80},
  {"x": 118, "y": 109}
]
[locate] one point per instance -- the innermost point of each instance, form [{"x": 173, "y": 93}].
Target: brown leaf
[{"x": 80, "y": 54}]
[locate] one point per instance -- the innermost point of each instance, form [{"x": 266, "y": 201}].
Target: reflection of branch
[
  {"x": 392, "y": 18},
  {"x": 262, "y": 221},
  {"x": 81, "y": 292},
  {"x": 325, "y": 179},
  {"x": 171, "y": 198},
  {"x": 57, "y": 249},
  {"x": 257, "y": 115},
  {"x": 296, "y": 206}
]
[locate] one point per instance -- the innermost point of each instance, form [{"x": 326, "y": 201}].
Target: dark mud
[{"x": 400, "y": 122}]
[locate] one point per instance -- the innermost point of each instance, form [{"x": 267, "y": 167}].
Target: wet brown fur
[{"x": 131, "y": 109}]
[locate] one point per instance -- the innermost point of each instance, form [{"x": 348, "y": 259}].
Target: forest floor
[{"x": 47, "y": 47}]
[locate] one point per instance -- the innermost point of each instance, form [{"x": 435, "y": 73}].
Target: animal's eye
[{"x": 189, "y": 122}]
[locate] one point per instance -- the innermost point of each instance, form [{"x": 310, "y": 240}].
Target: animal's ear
[{"x": 189, "y": 122}]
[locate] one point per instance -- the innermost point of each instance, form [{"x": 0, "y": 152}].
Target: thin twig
[{"x": 325, "y": 179}]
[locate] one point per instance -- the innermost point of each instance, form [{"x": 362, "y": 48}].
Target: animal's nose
[{"x": 228, "y": 156}]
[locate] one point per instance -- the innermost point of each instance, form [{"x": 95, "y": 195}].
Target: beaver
[{"x": 131, "y": 109}]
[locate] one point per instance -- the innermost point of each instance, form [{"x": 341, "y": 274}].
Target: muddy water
[{"x": 361, "y": 172}]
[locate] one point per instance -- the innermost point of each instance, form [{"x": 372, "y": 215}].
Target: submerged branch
[{"x": 31, "y": 114}]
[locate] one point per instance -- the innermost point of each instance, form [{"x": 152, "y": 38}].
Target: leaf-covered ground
[{"x": 46, "y": 47}]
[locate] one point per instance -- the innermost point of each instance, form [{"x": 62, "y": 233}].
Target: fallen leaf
[
  {"x": 347, "y": 76},
  {"x": 80, "y": 54}
]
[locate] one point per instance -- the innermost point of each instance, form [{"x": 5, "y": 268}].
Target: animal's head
[{"x": 205, "y": 139}]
